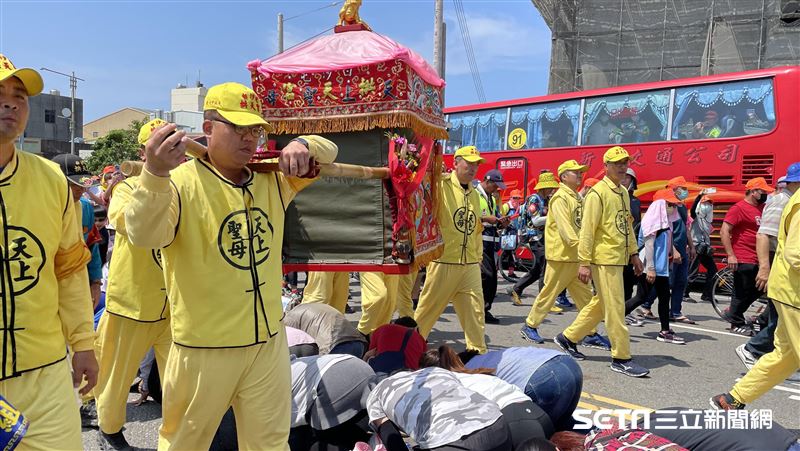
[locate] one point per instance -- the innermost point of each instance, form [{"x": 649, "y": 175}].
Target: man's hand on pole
[
  {"x": 165, "y": 150},
  {"x": 295, "y": 159}
]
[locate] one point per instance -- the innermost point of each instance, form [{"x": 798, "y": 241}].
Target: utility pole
[
  {"x": 73, "y": 85},
  {"x": 280, "y": 32},
  {"x": 438, "y": 37}
]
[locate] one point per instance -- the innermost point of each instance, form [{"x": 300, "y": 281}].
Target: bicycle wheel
[
  {"x": 520, "y": 265},
  {"x": 722, "y": 292}
]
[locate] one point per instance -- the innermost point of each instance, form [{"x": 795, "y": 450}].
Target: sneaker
[
  {"x": 348, "y": 309},
  {"x": 670, "y": 337},
  {"x": 646, "y": 313},
  {"x": 706, "y": 298},
  {"x": 512, "y": 276},
  {"x": 514, "y": 297},
  {"x": 629, "y": 368},
  {"x": 745, "y": 356},
  {"x": 744, "y": 330},
  {"x": 725, "y": 402},
  {"x": 596, "y": 341},
  {"x": 563, "y": 301},
  {"x": 490, "y": 319},
  {"x": 115, "y": 441},
  {"x": 631, "y": 320},
  {"x": 568, "y": 347},
  {"x": 89, "y": 415},
  {"x": 531, "y": 334},
  {"x": 556, "y": 309}
]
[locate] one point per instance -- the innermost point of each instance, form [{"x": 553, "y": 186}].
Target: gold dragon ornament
[{"x": 348, "y": 15}]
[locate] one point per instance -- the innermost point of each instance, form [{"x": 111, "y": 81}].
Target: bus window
[
  {"x": 724, "y": 110},
  {"x": 627, "y": 118},
  {"x": 547, "y": 124},
  {"x": 482, "y": 129}
]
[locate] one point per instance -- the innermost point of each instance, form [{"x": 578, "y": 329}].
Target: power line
[
  {"x": 313, "y": 10},
  {"x": 470, "y": 52}
]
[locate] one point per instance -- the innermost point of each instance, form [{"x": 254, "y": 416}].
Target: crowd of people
[{"x": 185, "y": 284}]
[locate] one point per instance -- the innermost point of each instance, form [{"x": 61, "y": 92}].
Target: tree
[{"x": 117, "y": 146}]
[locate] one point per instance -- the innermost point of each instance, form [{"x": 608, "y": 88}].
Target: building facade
[
  {"x": 48, "y": 129},
  {"x": 604, "y": 43}
]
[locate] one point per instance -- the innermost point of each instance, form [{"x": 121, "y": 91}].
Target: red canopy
[{"x": 350, "y": 81}]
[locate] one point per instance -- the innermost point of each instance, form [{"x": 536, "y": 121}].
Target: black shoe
[
  {"x": 744, "y": 329},
  {"x": 348, "y": 309},
  {"x": 629, "y": 368},
  {"x": 89, "y": 415},
  {"x": 568, "y": 347},
  {"x": 115, "y": 441},
  {"x": 490, "y": 319}
]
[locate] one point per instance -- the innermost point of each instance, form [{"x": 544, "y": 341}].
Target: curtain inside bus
[
  {"x": 625, "y": 106},
  {"x": 752, "y": 92},
  {"x": 531, "y": 117}
]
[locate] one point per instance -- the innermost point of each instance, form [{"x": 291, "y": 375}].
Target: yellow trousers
[
  {"x": 378, "y": 299},
  {"x": 121, "y": 345},
  {"x": 404, "y": 304},
  {"x": 200, "y": 384},
  {"x": 773, "y": 368},
  {"x": 46, "y": 398},
  {"x": 608, "y": 305},
  {"x": 460, "y": 284},
  {"x": 557, "y": 277},
  {"x": 330, "y": 288}
]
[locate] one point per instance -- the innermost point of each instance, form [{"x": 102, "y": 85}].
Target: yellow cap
[
  {"x": 470, "y": 153},
  {"x": 614, "y": 154},
  {"x": 237, "y": 103},
  {"x": 572, "y": 165},
  {"x": 546, "y": 180},
  {"x": 29, "y": 77},
  {"x": 147, "y": 129}
]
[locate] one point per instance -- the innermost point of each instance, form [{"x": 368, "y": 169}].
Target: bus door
[{"x": 515, "y": 175}]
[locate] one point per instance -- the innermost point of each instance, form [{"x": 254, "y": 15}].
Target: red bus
[{"x": 718, "y": 131}]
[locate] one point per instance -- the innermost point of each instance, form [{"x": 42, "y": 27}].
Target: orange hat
[
  {"x": 590, "y": 182},
  {"x": 758, "y": 183},
  {"x": 667, "y": 195},
  {"x": 677, "y": 182},
  {"x": 109, "y": 168},
  {"x": 516, "y": 193}
]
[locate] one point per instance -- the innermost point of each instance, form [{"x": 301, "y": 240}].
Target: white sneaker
[{"x": 745, "y": 356}]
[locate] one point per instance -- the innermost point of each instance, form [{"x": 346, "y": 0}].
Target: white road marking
[
  {"x": 708, "y": 330},
  {"x": 782, "y": 388}
]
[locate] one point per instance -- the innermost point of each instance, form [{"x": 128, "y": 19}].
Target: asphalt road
[{"x": 681, "y": 376}]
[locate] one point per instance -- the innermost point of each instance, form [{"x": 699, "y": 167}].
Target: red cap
[
  {"x": 109, "y": 168},
  {"x": 516, "y": 193},
  {"x": 667, "y": 195}
]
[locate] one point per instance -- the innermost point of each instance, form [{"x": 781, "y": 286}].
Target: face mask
[
  {"x": 682, "y": 194},
  {"x": 762, "y": 198}
]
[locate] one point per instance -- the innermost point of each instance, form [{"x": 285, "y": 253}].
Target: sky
[{"x": 132, "y": 53}]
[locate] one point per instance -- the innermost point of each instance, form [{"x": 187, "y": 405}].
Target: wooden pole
[{"x": 197, "y": 150}]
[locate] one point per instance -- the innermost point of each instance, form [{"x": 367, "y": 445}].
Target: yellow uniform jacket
[
  {"x": 136, "y": 287},
  {"x": 606, "y": 236},
  {"x": 44, "y": 281},
  {"x": 784, "y": 276},
  {"x": 460, "y": 219},
  {"x": 221, "y": 248},
  {"x": 563, "y": 225}
]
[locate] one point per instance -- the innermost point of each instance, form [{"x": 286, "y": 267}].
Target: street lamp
[{"x": 73, "y": 84}]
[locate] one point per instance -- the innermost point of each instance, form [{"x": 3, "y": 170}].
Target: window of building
[
  {"x": 95, "y": 134},
  {"x": 626, "y": 118},
  {"x": 50, "y": 116},
  {"x": 485, "y": 130},
  {"x": 724, "y": 110},
  {"x": 545, "y": 125}
]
